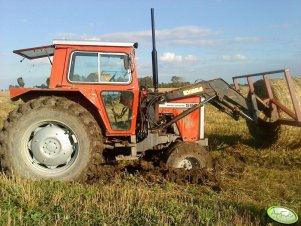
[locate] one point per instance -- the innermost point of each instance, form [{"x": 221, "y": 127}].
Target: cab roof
[
  {"x": 92, "y": 43},
  {"x": 48, "y": 51}
]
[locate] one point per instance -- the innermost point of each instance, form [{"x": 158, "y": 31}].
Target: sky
[{"x": 196, "y": 39}]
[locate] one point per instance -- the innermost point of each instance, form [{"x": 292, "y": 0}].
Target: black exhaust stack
[{"x": 154, "y": 54}]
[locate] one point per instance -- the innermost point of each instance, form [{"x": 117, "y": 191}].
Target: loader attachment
[
  {"x": 270, "y": 103},
  {"x": 232, "y": 102}
]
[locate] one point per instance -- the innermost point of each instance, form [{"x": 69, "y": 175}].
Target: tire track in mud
[{"x": 155, "y": 172}]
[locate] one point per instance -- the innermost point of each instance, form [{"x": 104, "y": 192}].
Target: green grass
[{"x": 251, "y": 179}]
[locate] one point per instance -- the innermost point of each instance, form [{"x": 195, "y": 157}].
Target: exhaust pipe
[{"x": 154, "y": 54}]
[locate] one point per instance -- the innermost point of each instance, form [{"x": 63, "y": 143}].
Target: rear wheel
[
  {"x": 51, "y": 138},
  {"x": 188, "y": 156}
]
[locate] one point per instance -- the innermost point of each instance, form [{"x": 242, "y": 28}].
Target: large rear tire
[
  {"x": 51, "y": 138},
  {"x": 188, "y": 156},
  {"x": 267, "y": 134}
]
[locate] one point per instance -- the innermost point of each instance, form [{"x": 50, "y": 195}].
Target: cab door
[{"x": 112, "y": 77}]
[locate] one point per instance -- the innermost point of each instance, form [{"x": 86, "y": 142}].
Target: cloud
[
  {"x": 183, "y": 32},
  {"x": 40, "y": 61},
  {"x": 4, "y": 54},
  {"x": 73, "y": 36},
  {"x": 236, "y": 57},
  {"x": 172, "y": 57},
  {"x": 246, "y": 39},
  {"x": 183, "y": 35},
  {"x": 281, "y": 26},
  {"x": 190, "y": 58}
]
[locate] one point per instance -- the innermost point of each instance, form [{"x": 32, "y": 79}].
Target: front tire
[
  {"x": 188, "y": 156},
  {"x": 51, "y": 138}
]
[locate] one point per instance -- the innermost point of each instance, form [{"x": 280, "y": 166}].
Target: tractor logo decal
[{"x": 192, "y": 91}]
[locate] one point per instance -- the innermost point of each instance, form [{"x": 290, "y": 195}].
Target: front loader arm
[{"x": 217, "y": 92}]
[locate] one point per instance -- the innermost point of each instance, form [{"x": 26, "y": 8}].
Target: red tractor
[{"x": 94, "y": 103}]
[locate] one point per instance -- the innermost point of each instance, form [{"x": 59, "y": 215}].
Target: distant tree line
[{"x": 175, "y": 81}]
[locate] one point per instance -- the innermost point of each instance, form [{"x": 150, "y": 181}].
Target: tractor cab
[
  {"x": 88, "y": 62},
  {"x": 102, "y": 72}
]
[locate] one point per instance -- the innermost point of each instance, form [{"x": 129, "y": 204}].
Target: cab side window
[
  {"x": 112, "y": 68},
  {"x": 90, "y": 67},
  {"x": 84, "y": 67}
]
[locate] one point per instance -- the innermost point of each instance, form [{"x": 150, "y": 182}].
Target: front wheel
[{"x": 188, "y": 156}]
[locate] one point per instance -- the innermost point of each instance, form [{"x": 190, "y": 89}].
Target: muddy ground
[{"x": 152, "y": 169}]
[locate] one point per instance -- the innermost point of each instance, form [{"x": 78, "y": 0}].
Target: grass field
[{"x": 249, "y": 179}]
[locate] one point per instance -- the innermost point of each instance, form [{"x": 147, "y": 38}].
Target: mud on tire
[
  {"x": 51, "y": 138},
  {"x": 188, "y": 156}
]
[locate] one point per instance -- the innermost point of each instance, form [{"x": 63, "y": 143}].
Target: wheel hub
[
  {"x": 185, "y": 164},
  {"x": 189, "y": 163},
  {"x": 51, "y": 145}
]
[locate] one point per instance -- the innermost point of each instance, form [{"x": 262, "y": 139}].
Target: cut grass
[
  {"x": 126, "y": 202},
  {"x": 252, "y": 179}
]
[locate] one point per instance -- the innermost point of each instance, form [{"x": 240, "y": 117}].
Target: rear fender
[{"x": 87, "y": 98}]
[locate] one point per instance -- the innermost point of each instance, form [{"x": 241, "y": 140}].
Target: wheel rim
[
  {"x": 189, "y": 163},
  {"x": 50, "y": 147}
]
